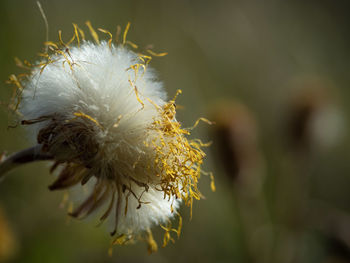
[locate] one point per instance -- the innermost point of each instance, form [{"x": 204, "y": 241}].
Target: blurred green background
[{"x": 273, "y": 75}]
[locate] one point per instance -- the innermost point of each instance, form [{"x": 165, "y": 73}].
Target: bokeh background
[{"x": 273, "y": 75}]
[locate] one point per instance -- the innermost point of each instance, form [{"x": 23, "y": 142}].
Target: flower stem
[{"x": 28, "y": 155}]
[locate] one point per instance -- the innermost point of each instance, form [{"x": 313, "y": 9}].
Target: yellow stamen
[
  {"x": 109, "y": 34},
  {"x": 212, "y": 183},
  {"x": 60, "y": 38},
  {"x": 137, "y": 93},
  {"x": 125, "y": 33},
  {"x": 152, "y": 244},
  {"x": 76, "y": 33},
  {"x": 133, "y": 45},
  {"x": 93, "y": 32},
  {"x": 117, "y": 34},
  {"x": 157, "y": 54},
  {"x": 51, "y": 44},
  {"x": 197, "y": 122},
  {"x": 83, "y": 115}
]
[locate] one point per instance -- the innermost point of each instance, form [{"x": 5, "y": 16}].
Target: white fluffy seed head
[
  {"x": 99, "y": 87},
  {"x": 97, "y": 83},
  {"x": 100, "y": 113}
]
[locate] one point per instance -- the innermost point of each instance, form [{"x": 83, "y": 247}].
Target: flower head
[{"x": 99, "y": 112}]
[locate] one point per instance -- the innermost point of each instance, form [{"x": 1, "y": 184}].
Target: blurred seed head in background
[
  {"x": 315, "y": 120},
  {"x": 235, "y": 134}
]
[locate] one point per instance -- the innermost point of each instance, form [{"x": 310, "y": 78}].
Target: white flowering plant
[{"x": 98, "y": 112}]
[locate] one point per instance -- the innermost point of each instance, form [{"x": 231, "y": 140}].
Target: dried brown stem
[{"x": 29, "y": 155}]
